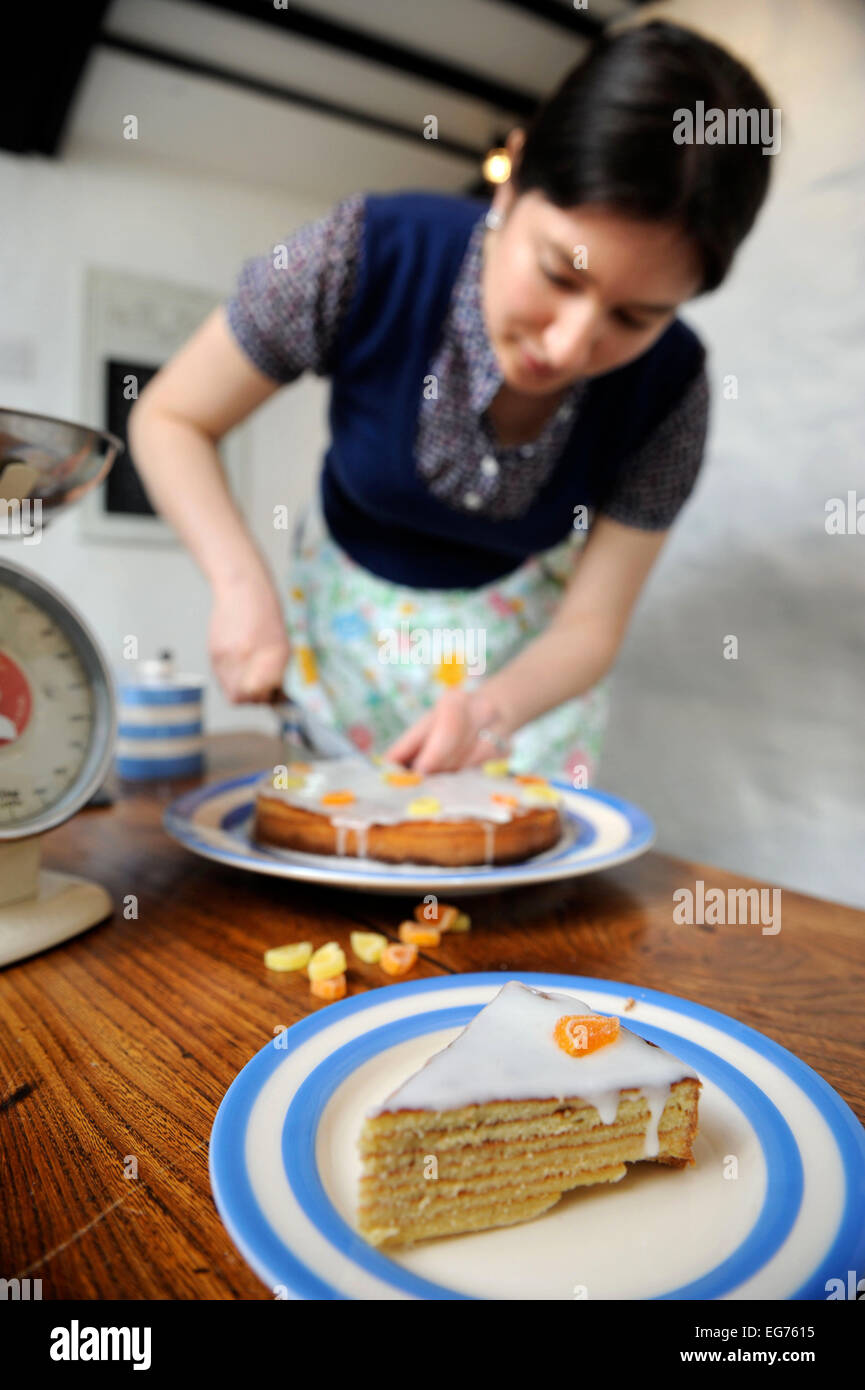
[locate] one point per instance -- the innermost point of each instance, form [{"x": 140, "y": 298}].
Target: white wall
[{"x": 758, "y": 764}]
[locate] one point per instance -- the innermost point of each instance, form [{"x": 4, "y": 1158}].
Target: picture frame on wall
[{"x": 133, "y": 325}]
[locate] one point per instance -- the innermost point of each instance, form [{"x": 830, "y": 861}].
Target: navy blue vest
[{"x": 377, "y": 507}]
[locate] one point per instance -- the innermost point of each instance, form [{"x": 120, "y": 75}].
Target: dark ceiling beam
[
  {"x": 259, "y": 87},
  {"x": 44, "y": 58},
  {"x": 359, "y": 43},
  {"x": 580, "y": 23}
]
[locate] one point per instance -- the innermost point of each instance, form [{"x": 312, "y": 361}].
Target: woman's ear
[
  {"x": 514, "y": 146},
  {"x": 514, "y": 143}
]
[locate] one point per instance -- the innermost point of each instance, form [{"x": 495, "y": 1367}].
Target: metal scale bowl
[{"x": 57, "y": 708}]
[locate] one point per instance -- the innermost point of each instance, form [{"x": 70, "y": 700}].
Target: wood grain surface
[{"x": 116, "y": 1048}]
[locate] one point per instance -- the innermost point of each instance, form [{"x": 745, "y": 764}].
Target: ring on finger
[{"x": 501, "y": 745}]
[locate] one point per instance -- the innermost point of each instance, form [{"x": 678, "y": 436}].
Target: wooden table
[{"x": 117, "y": 1047}]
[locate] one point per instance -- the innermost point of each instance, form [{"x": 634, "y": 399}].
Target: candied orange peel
[
  {"x": 397, "y": 960},
  {"x": 504, "y": 800},
  {"x": 419, "y": 934},
  {"x": 436, "y": 914},
  {"x": 403, "y": 779},
  {"x": 578, "y": 1034},
  {"x": 330, "y": 989},
  {"x": 337, "y": 798}
]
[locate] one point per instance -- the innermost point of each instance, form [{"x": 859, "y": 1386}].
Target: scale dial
[{"x": 57, "y": 717}]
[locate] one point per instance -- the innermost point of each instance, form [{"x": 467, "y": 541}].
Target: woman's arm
[
  {"x": 582, "y": 642},
  {"x": 206, "y": 389},
  {"x": 573, "y": 654}
]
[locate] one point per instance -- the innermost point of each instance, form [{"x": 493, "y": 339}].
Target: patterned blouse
[{"x": 286, "y": 312}]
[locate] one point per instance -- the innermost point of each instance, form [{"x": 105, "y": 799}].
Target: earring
[{"x": 493, "y": 219}]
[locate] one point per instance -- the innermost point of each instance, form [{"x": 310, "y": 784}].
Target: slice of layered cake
[{"x": 538, "y": 1094}]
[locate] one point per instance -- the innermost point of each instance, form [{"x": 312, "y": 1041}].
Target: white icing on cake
[
  {"x": 464, "y": 795},
  {"x": 508, "y": 1052}
]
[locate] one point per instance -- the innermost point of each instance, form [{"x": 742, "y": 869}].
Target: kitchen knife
[{"x": 304, "y": 733}]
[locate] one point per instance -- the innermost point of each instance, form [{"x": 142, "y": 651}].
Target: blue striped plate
[
  {"x": 600, "y": 831},
  {"x": 774, "y": 1207}
]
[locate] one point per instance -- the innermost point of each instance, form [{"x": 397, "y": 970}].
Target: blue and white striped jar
[{"x": 159, "y": 728}]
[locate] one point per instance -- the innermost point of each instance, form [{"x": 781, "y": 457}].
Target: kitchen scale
[{"x": 57, "y": 708}]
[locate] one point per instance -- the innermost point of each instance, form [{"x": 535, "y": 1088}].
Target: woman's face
[{"x": 571, "y": 293}]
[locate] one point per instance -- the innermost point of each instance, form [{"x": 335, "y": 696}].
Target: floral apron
[{"x": 370, "y": 657}]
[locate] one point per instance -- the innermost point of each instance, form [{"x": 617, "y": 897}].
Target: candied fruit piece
[
  {"x": 424, "y": 806},
  {"x": 419, "y": 934},
  {"x": 462, "y": 922},
  {"x": 436, "y": 915},
  {"x": 330, "y": 989},
  {"x": 403, "y": 779},
  {"x": 540, "y": 796},
  {"x": 292, "y": 957},
  {"x": 502, "y": 799},
  {"x": 398, "y": 960},
  {"x": 326, "y": 962},
  {"x": 495, "y": 767},
  {"x": 578, "y": 1034},
  {"x": 528, "y": 779},
  {"x": 337, "y": 798},
  {"x": 368, "y": 945}
]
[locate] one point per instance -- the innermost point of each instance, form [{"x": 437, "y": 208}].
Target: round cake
[{"x": 379, "y": 810}]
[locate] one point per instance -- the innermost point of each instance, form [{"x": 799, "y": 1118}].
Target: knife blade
[{"x": 304, "y": 732}]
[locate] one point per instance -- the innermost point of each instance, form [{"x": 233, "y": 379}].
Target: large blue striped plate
[
  {"x": 774, "y": 1207},
  {"x": 600, "y": 831}
]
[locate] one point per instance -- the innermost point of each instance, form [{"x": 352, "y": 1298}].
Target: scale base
[{"x": 64, "y": 906}]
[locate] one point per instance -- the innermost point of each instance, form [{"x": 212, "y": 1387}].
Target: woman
[{"x": 517, "y": 416}]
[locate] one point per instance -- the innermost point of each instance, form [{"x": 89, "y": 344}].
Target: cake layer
[
  {"x": 570, "y": 1170},
  {"x": 407, "y": 1208},
  {"x": 502, "y": 1154},
  {"x": 458, "y": 1221},
  {"x": 516, "y": 1111},
  {"x": 422, "y": 841},
  {"x": 392, "y": 1133},
  {"x": 403, "y": 1197},
  {"x": 349, "y": 806}
]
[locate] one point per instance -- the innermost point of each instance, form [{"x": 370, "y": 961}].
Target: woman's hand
[
  {"x": 446, "y": 737},
  {"x": 248, "y": 644}
]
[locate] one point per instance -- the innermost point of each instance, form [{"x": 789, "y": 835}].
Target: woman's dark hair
[{"x": 606, "y": 136}]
